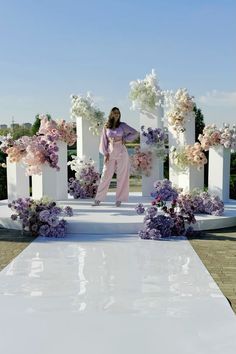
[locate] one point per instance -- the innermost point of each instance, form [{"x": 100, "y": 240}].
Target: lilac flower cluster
[
  {"x": 40, "y": 217},
  {"x": 170, "y": 223},
  {"x": 156, "y": 139},
  {"x": 81, "y": 190},
  {"x": 163, "y": 190},
  {"x": 86, "y": 180},
  {"x": 202, "y": 203},
  {"x": 154, "y": 136}
]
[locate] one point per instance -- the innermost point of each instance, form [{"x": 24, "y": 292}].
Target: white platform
[
  {"x": 108, "y": 219},
  {"x": 112, "y": 295}
]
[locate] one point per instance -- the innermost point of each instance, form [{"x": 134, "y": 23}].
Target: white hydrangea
[
  {"x": 146, "y": 94},
  {"x": 84, "y": 107}
]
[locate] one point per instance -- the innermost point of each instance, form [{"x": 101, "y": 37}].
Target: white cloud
[{"x": 218, "y": 98}]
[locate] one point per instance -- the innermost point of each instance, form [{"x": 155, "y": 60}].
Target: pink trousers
[{"x": 119, "y": 163}]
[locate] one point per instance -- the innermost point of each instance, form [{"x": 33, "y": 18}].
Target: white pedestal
[
  {"x": 219, "y": 172},
  {"x": 192, "y": 177},
  {"x": 45, "y": 185},
  {"x": 154, "y": 120},
  {"x": 62, "y": 175},
  {"x": 188, "y": 180},
  {"x": 87, "y": 143},
  {"x": 17, "y": 181}
]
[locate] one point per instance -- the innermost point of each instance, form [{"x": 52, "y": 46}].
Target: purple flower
[
  {"x": 68, "y": 211},
  {"x": 140, "y": 209}
]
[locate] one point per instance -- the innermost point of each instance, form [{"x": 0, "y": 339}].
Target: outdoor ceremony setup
[
  {"x": 167, "y": 126},
  {"x": 119, "y": 267}
]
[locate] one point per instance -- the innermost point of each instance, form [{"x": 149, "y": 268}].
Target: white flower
[
  {"x": 84, "y": 107},
  {"x": 146, "y": 94}
]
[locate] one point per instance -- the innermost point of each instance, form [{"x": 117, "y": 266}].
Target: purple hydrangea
[
  {"x": 41, "y": 218},
  {"x": 164, "y": 191}
]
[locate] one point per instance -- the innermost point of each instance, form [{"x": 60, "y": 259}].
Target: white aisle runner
[{"x": 112, "y": 295}]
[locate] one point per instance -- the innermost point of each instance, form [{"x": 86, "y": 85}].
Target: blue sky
[{"x": 51, "y": 49}]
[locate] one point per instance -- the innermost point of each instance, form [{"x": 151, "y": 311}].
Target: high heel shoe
[
  {"x": 118, "y": 203},
  {"x": 96, "y": 203}
]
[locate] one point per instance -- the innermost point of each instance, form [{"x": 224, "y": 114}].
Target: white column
[
  {"x": 45, "y": 185},
  {"x": 192, "y": 177},
  {"x": 62, "y": 175},
  {"x": 17, "y": 181},
  {"x": 152, "y": 120},
  {"x": 219, "y": 171},
  {"x": 87, "y": 143}
]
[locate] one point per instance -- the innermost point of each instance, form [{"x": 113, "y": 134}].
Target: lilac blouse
[{"x": 123, "y": 131}]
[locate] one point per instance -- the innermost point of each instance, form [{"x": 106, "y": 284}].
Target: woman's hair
[{"x": 111, "y": 124}]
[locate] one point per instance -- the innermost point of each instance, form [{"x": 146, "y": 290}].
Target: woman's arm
[
  {"x": 130, "y": 134},
  {"x": 103, "y": 146}
]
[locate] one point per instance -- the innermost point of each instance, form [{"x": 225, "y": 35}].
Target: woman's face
[{"x": 116, "y": 115}]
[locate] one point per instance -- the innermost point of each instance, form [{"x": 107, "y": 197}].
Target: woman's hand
[{"x": 107, "y": 158}]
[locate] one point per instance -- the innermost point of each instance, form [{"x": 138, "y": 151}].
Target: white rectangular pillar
[
  {"x": 87, "y": 143},
  {"x": 45, "y": 185},
  {"x": 62, "y": 175},
  {"x": 152, "y": 120},
  {"x": 192, "y": 177},
  {"x": 17, "y": 181},
  {"x": 219, "y": 171}
]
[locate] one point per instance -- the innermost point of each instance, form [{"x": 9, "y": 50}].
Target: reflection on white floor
[{"x": 105, "y": 294}]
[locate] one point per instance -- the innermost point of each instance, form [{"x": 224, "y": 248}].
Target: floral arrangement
[
  {"x": 201, "y": 202},
  {"x": 40, "y": 150},
  {"x": 6, "y": 141},
  {"x": 212, "y": 136},
  {"x": 86, "y": 180},
  {"x": 171, "y": 222},
  {"x": 59, "y": 130},
  {"x": 84, "y": 107},
  {"x": 141, "y": 162},
  {"x": 40, "y": 217},
  {"x": 164, "y": 191},
  {"x": 145, "y": 94},
  {"x": 189, "y": 155},
  {"x": 179, "y": 109},
  {"x": 156, "y": 140}
]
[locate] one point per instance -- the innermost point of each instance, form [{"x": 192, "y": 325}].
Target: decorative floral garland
[
  {"x": 189, "y": 155},
  {"x": 141, "y": 162},
  {"x": 180, "y": 107},
  {"x": 86, "y": 180},
  {"x": 84, "y": 107},
  {"x": 146, "y": 94},
  {"x": 156, "y": 139},
  {"x": 212, "y": 136},
  {"x": 40, "y": 217}
]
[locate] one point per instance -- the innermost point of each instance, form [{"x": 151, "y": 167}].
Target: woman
[{"x": 116, "y": 159}]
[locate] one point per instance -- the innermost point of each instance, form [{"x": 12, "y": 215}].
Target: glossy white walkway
[{"x": 112, "y": 295}]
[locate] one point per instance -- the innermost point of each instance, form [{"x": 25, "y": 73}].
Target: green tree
[
  {"x": 20, "y": 131},
  {"x": 199, "y": 122}
]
